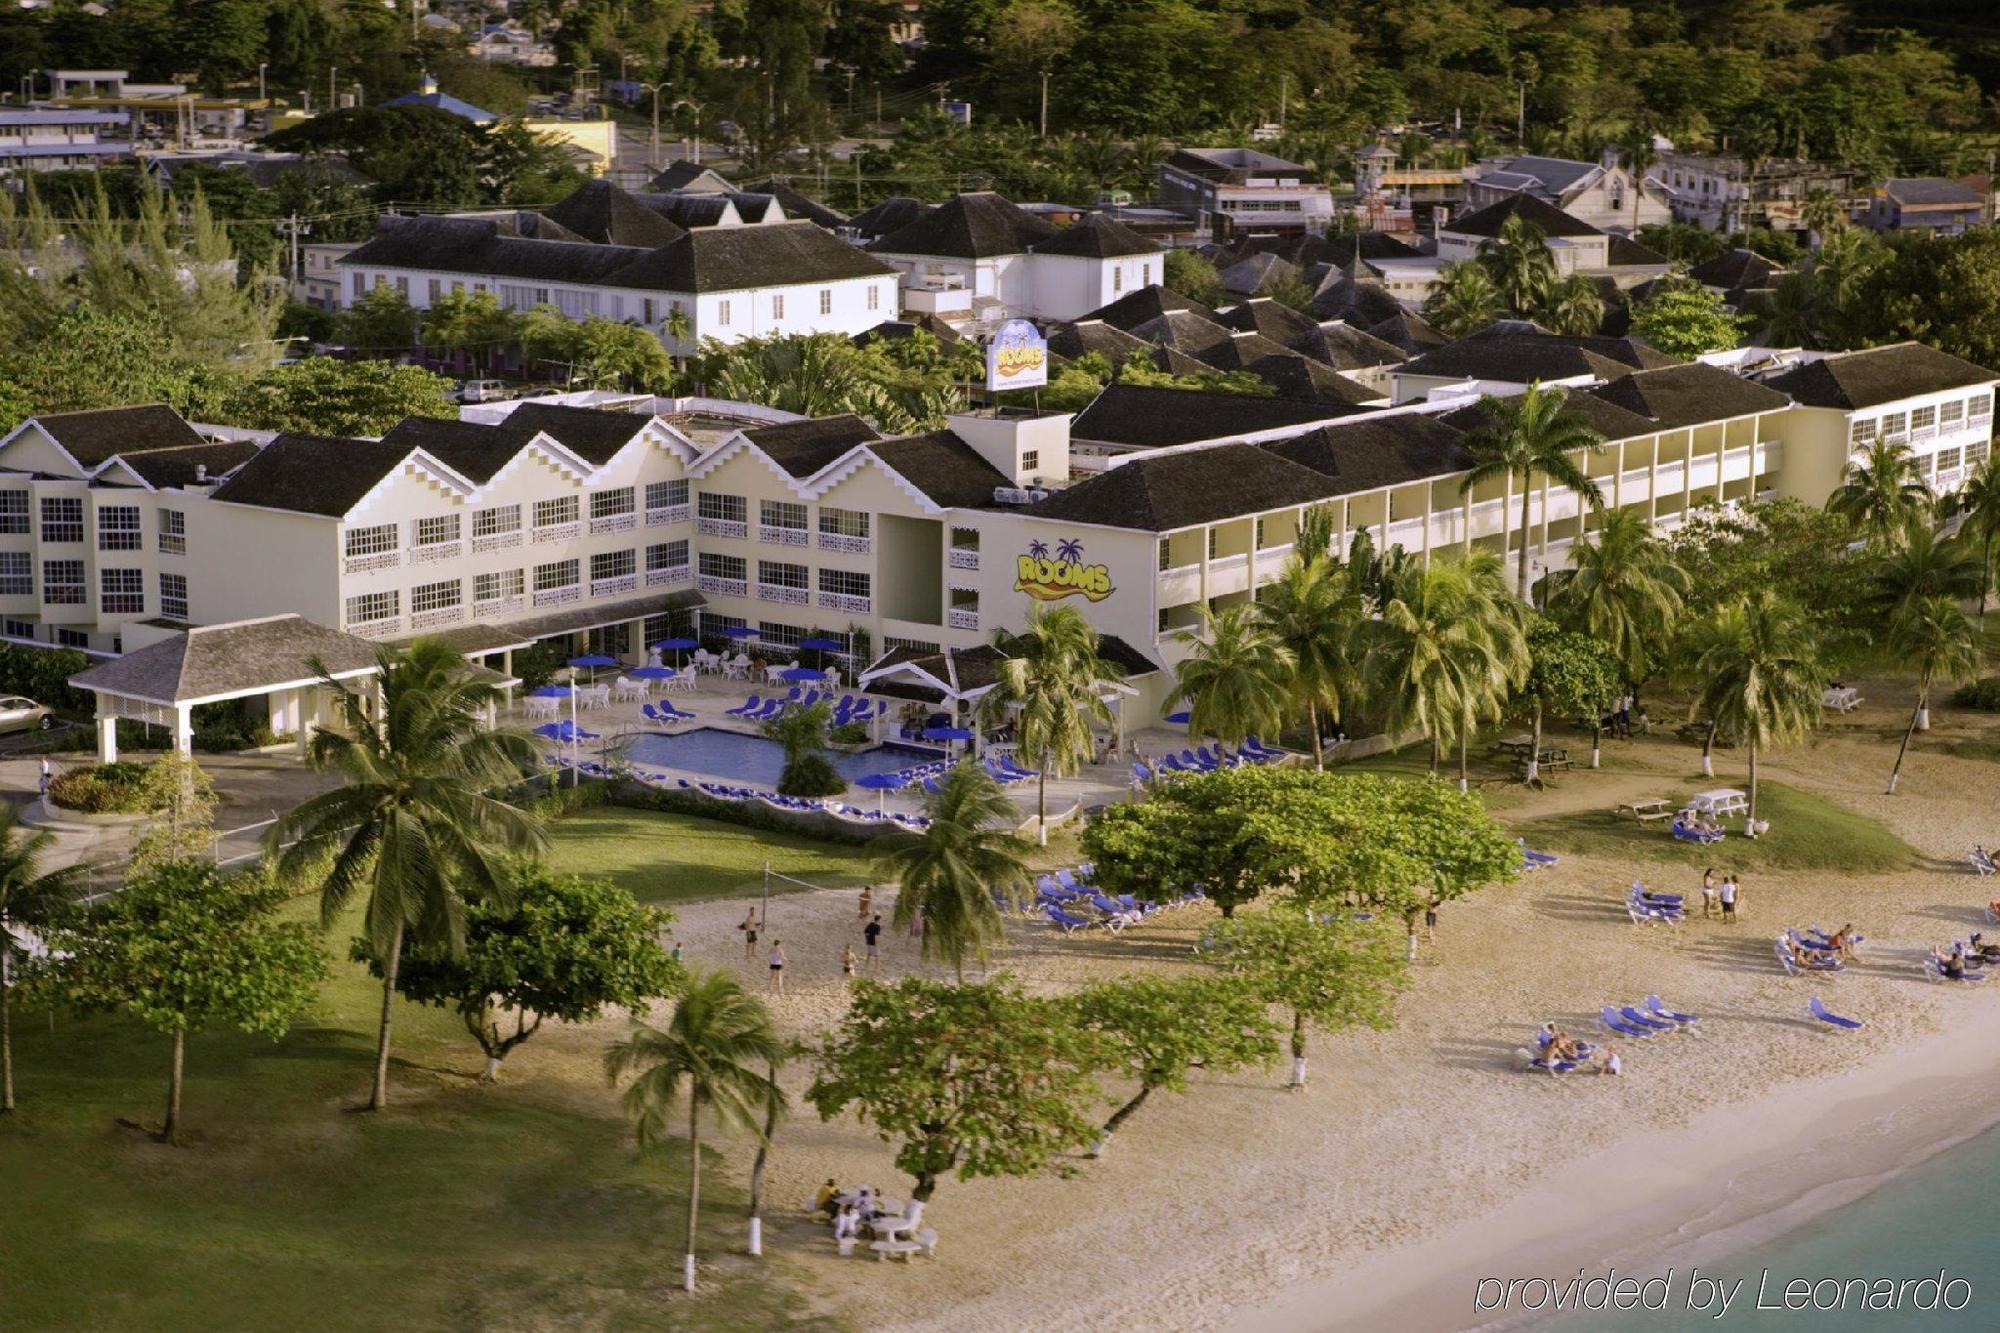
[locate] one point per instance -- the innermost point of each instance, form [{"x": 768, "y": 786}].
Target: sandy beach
[{"x": 1421, "y": 1158}]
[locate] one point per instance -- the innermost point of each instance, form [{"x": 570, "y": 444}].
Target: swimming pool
[{"x": 755, "y": 760}]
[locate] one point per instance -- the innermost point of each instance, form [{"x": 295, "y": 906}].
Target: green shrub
[
  {"x": 1981, "y": 694},
  {"x": 853, "y": 733},
  {"x": 102, "y": 789},
  {"x": 745, "y": 814},
  {"x": 810, "y": 774},
  {"x": 43, "y": 675}
]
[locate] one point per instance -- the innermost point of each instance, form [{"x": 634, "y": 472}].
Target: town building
[
  {"x": 1930, "y": 204},
  {"x": 41, "y": 138},
  {"x": 1602, "y": 194},
  {"x": 1241, "y": 191},
  {"x": 1722, "y": 192},
  {"x": 1575, "y": 245}
]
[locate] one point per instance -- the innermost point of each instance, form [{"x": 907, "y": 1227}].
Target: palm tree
[
  {"x": 1465, "y": 299},
  {"x": 1759, "y": 673},
  {"x": 1235, "y": 679},
  {"x": 1520, "y": 264},
  {"x": 1054, "y": 677},
  {"x": 1637, "y": 150},
  {"x": 1939, "y": 642},
  {"x": 1884, "y": 495},
  {"x": 948, "y": 872},
  {"x": 1822, "y": 212},
  {"x": 1792, "y": 315},
  {"x": 776, "y": 1107},
  {"x": 413, "y": 826},
  {"x": 1572, "y": 306},
  {"x": 1439, "y": 653},
  {"x": 1526, "y": 437},
  {"x": 29, "y": 896},
  {"x": 718, "y": 1043},
  {"x": 1624, "y": 590},
  {"x": 1925, "y": 565},
  {"x": 1977, "y": 504},
  {"x": 1312, "y": 612}
]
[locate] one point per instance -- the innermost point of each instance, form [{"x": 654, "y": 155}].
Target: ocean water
[{"x": 1938, "y": 1216}]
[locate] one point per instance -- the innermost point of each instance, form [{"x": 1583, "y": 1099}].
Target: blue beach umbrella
[
  {"x": 653, "y": 673},
  {"x": 883, "y": 784},
  {"x": 677, "y": 645},
  {"x": 565, "y": 731},
  {"x": 802, "y": 674},
  {"x": 820, "y": 643},
  {"x": 592, "y": 661},
  {"x": 549, "y": 692},
  {"x": 738, "y": 632},
  {"x": 1181, "y": 718}
]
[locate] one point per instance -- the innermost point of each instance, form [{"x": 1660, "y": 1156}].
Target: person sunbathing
[
  {"x": 1562, "y": 1046},
  {"x": 1841, "y": 942},
  {"x": 1988, "y": 953},
  {"x": 1950, "y": 965}
]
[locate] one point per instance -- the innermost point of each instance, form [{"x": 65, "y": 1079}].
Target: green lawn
[
  {"x": 667, "y": 858},
  {"x": 1807, "y": 833},
  {"x": 461, "y": 1207}
]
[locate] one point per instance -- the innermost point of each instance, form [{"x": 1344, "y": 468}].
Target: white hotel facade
[{"x": 123, "y": 528}]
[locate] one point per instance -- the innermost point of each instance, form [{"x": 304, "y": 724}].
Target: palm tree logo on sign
[{"x": 1066, "y": 575}]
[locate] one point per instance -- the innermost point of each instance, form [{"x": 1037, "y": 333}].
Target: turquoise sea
[{"x": 1940, "y": 1215}]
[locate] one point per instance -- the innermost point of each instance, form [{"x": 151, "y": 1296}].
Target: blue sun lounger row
[
  {"x": 664, "y": 712},
  {"x": 1651, "y": 1020}
]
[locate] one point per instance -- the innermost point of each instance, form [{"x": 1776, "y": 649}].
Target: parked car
[
  {"x": 481, "y": 391},
  {"x": 21, "y": 714}
]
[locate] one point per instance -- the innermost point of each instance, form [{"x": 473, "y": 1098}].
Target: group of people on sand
[
  {"x": 1724, "y": 892},
  {"x": 1559, "y": 1047},
  {"x": 850, "y": 962}
]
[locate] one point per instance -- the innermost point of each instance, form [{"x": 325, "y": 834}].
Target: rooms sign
[{"x": 1050, "y": 577}]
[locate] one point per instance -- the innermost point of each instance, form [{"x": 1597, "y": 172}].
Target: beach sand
[{"x": 1420, "y": 1158}]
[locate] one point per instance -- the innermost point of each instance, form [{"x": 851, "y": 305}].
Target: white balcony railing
[
  {"x": 377, "y": 629},
  {"x": 670, "y": 576},
  {"x": 840, "y": 541},
  {"x": 612, "y": 587},
  {"x": 783, "y": 536},
  {"x": 962, "y": 557},
  {"x": 435, "y": 551},
  {"x": 364, "y": 564},
  {"x": 659, "y": 518},
  {"x": 558, "y": 532},
  {"x": 777, "y": 592},
  {"x": 559, "y": 596},
  {"x": 613, "y": 523},
  {"x": 1922, "y": 434},
  {"x": 721, "y": 586},
  {"x": 443, "y": 615},
  {"x": 843, "y": 601},
  {"x": 1950, "y": 476},
  {"x": 721, "y": 527},
  {"x": 496, "y": 608},
  {"x": 496, "y": 541},
  {"x": 962, "y": 619}
]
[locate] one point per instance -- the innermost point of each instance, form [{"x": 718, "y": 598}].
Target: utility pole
[
  {"x": 654, "y": 89},
  {"x": 294, "y": 229},
  {"x": 332, "y": 92},
  {"x": 1045, "y": 102},
  {"x": 1521, "y": 119},
  {"x": 260, "y": 79},
  {"x": 1284, "y": 86}
]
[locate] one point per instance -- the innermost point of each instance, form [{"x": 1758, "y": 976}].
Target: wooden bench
[
  {"x": 1645, "y": 812},
  {"x": 902, "y": 1249}
]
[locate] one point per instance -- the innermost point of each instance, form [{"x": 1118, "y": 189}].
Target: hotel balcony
[
  {"x": 435, "y": 551},
  {"x": 497, "y": 608},
  {"x": 783, "y": 536},
  {"x": 721, "y": 586},
  {"x": 443, "y": 615},
  {"x": 496, "y": 541},
  {"x": 558, "y": 532},
  {"x": 958, "y": 618},
  {"x": 848, "y": 602},
  {"x": 777, "y": 592},
  {"x": 388, "y": 627},
  {"x": 368, "y": 564},
  {"x": 659, "y": 518},
  {"x": 722, "y": 527},
  {"x": 559, "y": 596},
  {"x": 612, "y": 587},
  {"x": 613, "y": 523},
  {"x": 840, "y": 541},
  {"x": 669, "y": 577},
  {"x": 964, "y": 557}
]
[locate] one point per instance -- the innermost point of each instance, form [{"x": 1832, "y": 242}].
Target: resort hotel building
[{"x": 139, "y": 538}]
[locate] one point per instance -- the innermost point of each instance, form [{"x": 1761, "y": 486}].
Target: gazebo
[
  {"x": 162, "y": 683},
  {"x": 957, "y": 677}
]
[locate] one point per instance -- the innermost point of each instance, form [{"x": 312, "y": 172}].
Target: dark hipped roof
[
  {"x": 1257, "y": 273},
  {"x": 692, "y": 208},
  {"x": 1260, "y": 314},
  {"x": 1606, "y": 418},
  {"x": 1134, "y": 308},
  {"x": 1293, "y": 376},
  {"x": 312, "y": 474},
  {"x": 1149, "y": 416},
  {"x": 804, "y": 447},
  {"x": 1551, "y": 221},
  {"x": 891, "y": 215},
  {"x": 1095, "y": 236},
  {"x": 1878, "y": 375},
  {"x": 599, "y": 211},
  {"x": 720, "y": 259},
  {"x": 1377, "y": 450},
  {"x": 190, "y": 463},
  {"x": 1240, "y": 350},
  {"x": 1070, "y": 341},
  {"x": 1689, "y": 395},
  {"x": 480, "y": 246},
  {"x": 1345, "y": 347},
  {"x": 1624, "y": 252},
  {"x": 94, "y": 437},
  {"x": 593, "y": 434},
  {"x": 978, "y": 225},
  {"x": 241, "y": 657},
  {"x": 1162, "y": 492},
  {"x": 1407, "y": 330},
  {"x": 1184, "y": 331},
  {"x": 682, "y": 174},
  {"x": 945, "y": 468},
  {"x": 797, "y": 205},
  {"x": 1931, "y": 190},
  {"x": 472, "y": 449},
  {"x": 1517, "y": 352},
  {"x": 1355, "y": 300},
  {"x": 1735, "y": 268}
]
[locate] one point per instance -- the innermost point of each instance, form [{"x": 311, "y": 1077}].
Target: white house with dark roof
[
  {"x": 1603, "y": 194},
  {"x": 1932, "y": 204},
  {"x": 727, "y": 283},
  {"x": 1245, "y": 191}
]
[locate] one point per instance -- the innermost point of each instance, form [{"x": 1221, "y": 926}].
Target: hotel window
[
  {"x": 1975, "y": 453},
  {"x": 1951, "y": 415},
  {"x": 728, "y": 508},
  {"x": 1117, "y": 278},
  {"x": 1214, "y": 543},
  {"x": 922, "y": 647},
  {"x": 556, "y": 574},
  {"x": 771, "y": 634},
  {"x": 371, "y": 541},
  {"x": 781, "y": 575},
  {"x": 1893, "y": 425},
  {"x": 174, "y": 596},
  {"x": 843, "y": 522},
  {"x": 646, "y": 311},
  {"x": 843, "y": 582},
  {"x": 732, "y": 567},
  {"x": 173, "y": 532},
  {"x": 826, "y": 300},
  {"x": 436, "y": 596},
  {"x": 1145, "y": 275},
  {"x": 667, "y": 555},
  {"x": 1980, "y": 405},
  {"x": 20, "y": 629},
  {"x": 1949, "y": 458},
  {"x": 13, "y": 511},
  {"x": 1862, "y": 432},
  {"x": 553, "y": 513},
  {"x": 435, "y": 289},
  {"x": 497, "y": 520},
  {"x": 781, "y": 514},
  {"x": 17, "y": 574},
  {"x": 437, "y": 531},
  {"x": 122, "y": 592},
  {"x": 498, "y": 585},
  {"x": 1163, "y": 554},
  {"x": 62, "y": 583},
  {"x": 666, "y": 494},
  {"x": 1922, "y": 417},
  {"x": 371, "y": 607},
  {"x": 610, "y": 504},
  {"x": 778, "y": 306},
  {"x": 722, "y": 313},
  {"x": 72, "y": 638},
  {"x": 1260, "y": 534},
  {"x": 613, "y": 565},
  {"x": 403, "y": 287},
  {"x": 62, "y": 518},
  {"x": 874, "y": 297},
  {"x": 1030, "y": 459},
  {"x": 118, "y": 528}
]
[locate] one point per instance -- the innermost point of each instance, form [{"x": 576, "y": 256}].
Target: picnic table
[
  {"x": 1722, "y": 801},
  {"x": 1841, "y": 699},
  {"x": 1645, "y": 812}
]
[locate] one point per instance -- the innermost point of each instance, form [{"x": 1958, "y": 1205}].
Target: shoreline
[{"x": 1680, "y": 1204}]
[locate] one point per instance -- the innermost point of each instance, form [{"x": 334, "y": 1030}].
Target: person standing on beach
[
  {"x": 48, "y": 773},
  {"x": 778, "y": 966},
  {"x": 1431, "y": 919},
  {"x": 749, "y": 929},
  {"x": 873, "y": 935},
  {"x": 867, "y": 899},
  {"x": 1708, "y": 892},
  {"x": 1729, "y": 898}
]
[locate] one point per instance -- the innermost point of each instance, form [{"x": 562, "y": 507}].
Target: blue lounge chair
[
  {"x": 1066, "y": 878},
  {"x": 1832, "y": 1020},
  {"x": 1068, "y": 924},
  {"x": 667, "y": 712},
  {"x": 747, "y": 707},
  {"x": 1639, "y": 1018},
  {"x": 1140, "y": 773},
  {"x": 1687, "y": 833},
  {"x": 1658, "y": 1009},
  {"x": 1616, "y": 1022}
]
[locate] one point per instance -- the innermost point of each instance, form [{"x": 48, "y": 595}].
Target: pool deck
[{"x": 1094, "y": 785}]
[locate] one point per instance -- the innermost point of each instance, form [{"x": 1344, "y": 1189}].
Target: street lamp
[
  {"x": 655, "y": 89},
  {"x": 260, "y": 79},
  {"x": 696, "y": 108}
]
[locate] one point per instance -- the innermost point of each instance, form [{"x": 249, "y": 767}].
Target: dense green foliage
[
  {"x": 326, "y": 396},
  {"x": 1158, "y": 1030},
  {"x": 803, "y": 734},
  {"x": 101, "y": 789}
]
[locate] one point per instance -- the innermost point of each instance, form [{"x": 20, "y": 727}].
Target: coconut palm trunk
[
  {"x": 1527, "y": 531},
  {"x": 6, "y": 1032},
  {"x": 694, "y": 1188},
  {"x": 379, "y": 1098},
  {"x": 1042, "y": 802},
  {"x": 1464, "y": 758},
  {"x": 1923, "y": 700},
  {"x": 1534, "y": 775},
  {"x": 1752, "y": 816},
  {"x": 1298, "y": 1048},
  {"x": 1708, "y": 751},
  {"x": 1312, "y": 720},
  {"x": 773, "y": 1108}
]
